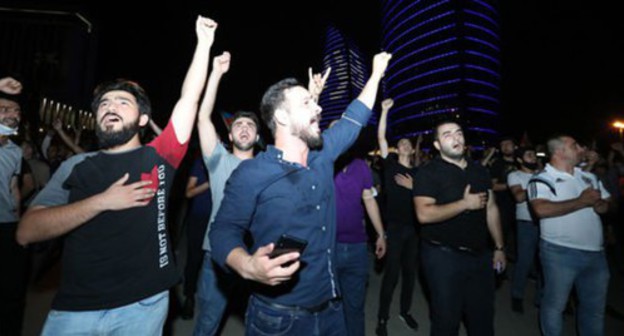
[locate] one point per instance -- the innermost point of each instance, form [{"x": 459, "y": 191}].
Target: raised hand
[
  {"x": 474, "y": 201},
  {"x": 10, "y": 85},
  {"x": 387, "y": 104},
  {"x": 205, "y": 29},
  {"x": 316, "y": 82},
  {"x": 380, "y": 63},
  {"x": 119, "y": 196},
  {"x": 221, "y": 63}
]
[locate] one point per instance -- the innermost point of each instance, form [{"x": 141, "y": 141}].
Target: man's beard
[
  {"x": 530, "y": 166},
  {"x": 110, "y": 139},
  {"x": 312, "y": 140},
  {"x": 242, "y": 147}
]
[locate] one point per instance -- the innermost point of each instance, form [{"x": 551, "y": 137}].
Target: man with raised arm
[
  {"x": 402, "y": 239},
  {"x": 111, "y": 205},
  {"x": 288, "y": 189}
]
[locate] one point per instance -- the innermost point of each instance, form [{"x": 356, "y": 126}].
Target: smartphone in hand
[{"x": 286, "y": 244}]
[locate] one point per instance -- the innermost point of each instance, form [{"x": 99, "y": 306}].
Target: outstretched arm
[
  {"x": 9, "y": 85},
  {"x": 207, "y": 133},
  {"x": 67, "y": 140},
  {"x": 369, "y": 92},
  {"x": 386, "y": 105},
  {"x": 185, "y": 110}
]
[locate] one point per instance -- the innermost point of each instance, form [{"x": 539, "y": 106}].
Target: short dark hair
[
  {"x": 506, "y": 138},
  {"x": 442, "y": 122},
  {"x": 14, "y": 98},
  {"x": 246, "y": 114},
  {"x": 133, "y": 88},
  {"x": 273, "y": 98},
  {"x": 523, "y": 149}
]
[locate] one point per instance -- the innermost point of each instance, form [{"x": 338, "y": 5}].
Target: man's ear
[
  {"x": 143, "y": 120},
  {"x": 281, "y": 117},
  {"x": 436, "y": 144},
  {"x": 230, "y": 137}
]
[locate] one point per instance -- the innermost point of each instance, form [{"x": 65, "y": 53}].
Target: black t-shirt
[
  {"x": 499, "y": 170},
  {"x": 446, "y": 182},
  {"x": 118, "y": 257},
  {"x": 399, "y": 203}
]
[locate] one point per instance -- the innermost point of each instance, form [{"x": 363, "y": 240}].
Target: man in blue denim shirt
[{"x": 289, "y": 190}]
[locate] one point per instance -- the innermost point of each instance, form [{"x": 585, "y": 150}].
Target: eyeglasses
[{"x": 5, "y": 109}]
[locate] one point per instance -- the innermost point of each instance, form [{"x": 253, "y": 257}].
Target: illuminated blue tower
[
  {"x": 348, "y": 76},
  {"x": 446, "y": 64}
]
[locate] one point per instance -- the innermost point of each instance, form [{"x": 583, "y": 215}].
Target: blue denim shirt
[{"x": 268, "y": 197}]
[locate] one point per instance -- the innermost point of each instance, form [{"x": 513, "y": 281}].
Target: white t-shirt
[
  {"x": 580, "y": 229},
  {"x": 521, "y": 179}
]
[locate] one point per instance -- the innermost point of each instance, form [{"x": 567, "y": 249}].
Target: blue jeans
[
  {"x": 145, "y": 317},
  {"x": 211, "y": 298},
  {"x": 461, "y": 285},
  {"x": 527, "y": 239},
  {"x": 352, "y": 273},
  {"x": 263, "y": 320},
  {"x": 563, "y": 268}
]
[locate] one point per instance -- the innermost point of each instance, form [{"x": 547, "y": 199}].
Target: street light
[{"x": 620, "y": 126}]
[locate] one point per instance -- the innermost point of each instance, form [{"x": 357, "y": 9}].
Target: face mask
[{"x": 5, "y": 130}]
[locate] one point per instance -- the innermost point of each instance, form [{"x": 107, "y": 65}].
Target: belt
[
  {"x": 298, "y": 309},
  {"x": 461, "y": 249}
]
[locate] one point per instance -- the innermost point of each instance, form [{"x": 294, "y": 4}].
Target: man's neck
[
  {"x": 133, "y": 143},
  {"x": 461, "y": 162},
  {"x": 527, "y": 170},
  {"x": 293, "y": 148},
  {"x": 243, "y": 155},
  {"x": 405, "y": 160},
  {"x": 562, "y": 166}
]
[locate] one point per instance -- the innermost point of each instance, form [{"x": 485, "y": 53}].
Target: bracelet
[{"x": 499, "y": 248}]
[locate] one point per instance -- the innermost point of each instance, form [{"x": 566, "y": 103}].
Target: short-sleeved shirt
[
  {"x": 220, "y": 165},
  {"x": 117, "y": 257},
  {"x": 268, "y": 196},
  {"x": 520, "y": 178},
  {"x": 350, "y": 183},
  {"x": 399, "y": 204},
  {"x": 580, "y": 229},
  {"x": 446, "y": 183},
  {"x": 10, "y": 166}
]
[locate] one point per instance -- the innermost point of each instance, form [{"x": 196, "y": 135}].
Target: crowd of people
[{"x": 459, "y": 220}]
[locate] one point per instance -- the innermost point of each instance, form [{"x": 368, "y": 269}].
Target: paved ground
[{"x": 506, "y": 322}]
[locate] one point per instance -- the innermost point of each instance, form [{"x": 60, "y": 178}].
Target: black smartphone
[{"x": 286, "y": 244}]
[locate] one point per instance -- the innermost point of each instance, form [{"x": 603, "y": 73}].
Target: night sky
[{"x": 561, "y": 61}]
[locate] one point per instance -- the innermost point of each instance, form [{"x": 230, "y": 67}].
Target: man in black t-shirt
[
  {"x": 111, "y": 206},
  {"x": 402, "y": 244},
  {"x": 455, "y": 205}
]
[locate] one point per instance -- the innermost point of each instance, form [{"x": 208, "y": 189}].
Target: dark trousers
[
  {"x": 195, "y": 232},
  {"x": 461, "y": 285},
  {"x": 12, "y": 281},
  {"x": 401, "y": 257}
]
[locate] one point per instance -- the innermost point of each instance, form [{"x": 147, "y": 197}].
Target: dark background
[{"x": 562, "y": 60}]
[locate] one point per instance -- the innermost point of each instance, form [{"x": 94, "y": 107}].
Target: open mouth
[{"x": 110, "y": 118}]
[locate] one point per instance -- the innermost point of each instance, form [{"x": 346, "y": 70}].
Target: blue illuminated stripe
[
  {"x": 420, "y": 24},
  {"x": 431, "y": 59},
  {"x": 482, "y": 96},
  {"x": 424, "y": 101},
  {"x": 481, "y": 110},
  {"x": 483, "y": 29},
  {"x": 427, "y": 87},
  {"x": 453, "y": 67},
  {"x": 476, "y": 81},
  {"x": 483, "y": 130},
  {"x": 420, "y": 37},
  {"x": 422, "y": 115},
  {"x": 483, "y": 16},
  {"x": 432, "y": 45},
  {"x": 409, "y": 18},
  {"x": 486, "y": 5},
  {"x": 482, "y": 55},
  {"x": 478, "y": 40},
  {"x": 484, "y": 69},
  {"x": 393, "y": 17}
]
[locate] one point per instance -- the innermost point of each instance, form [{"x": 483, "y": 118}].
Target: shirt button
[
  {"x": 328, "y": 251},
  {"x": 313, "y": 187},
  {"x": 318, "y": 207},
  {"x": 323, "y": 228}
]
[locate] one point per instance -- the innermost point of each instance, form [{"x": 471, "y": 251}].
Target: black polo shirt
[
  {"x": 446, "y": 183},
  {"x": 399, "y": 203}
]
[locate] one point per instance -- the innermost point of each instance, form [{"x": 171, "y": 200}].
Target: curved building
[{"x": 446, "y": 64}]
